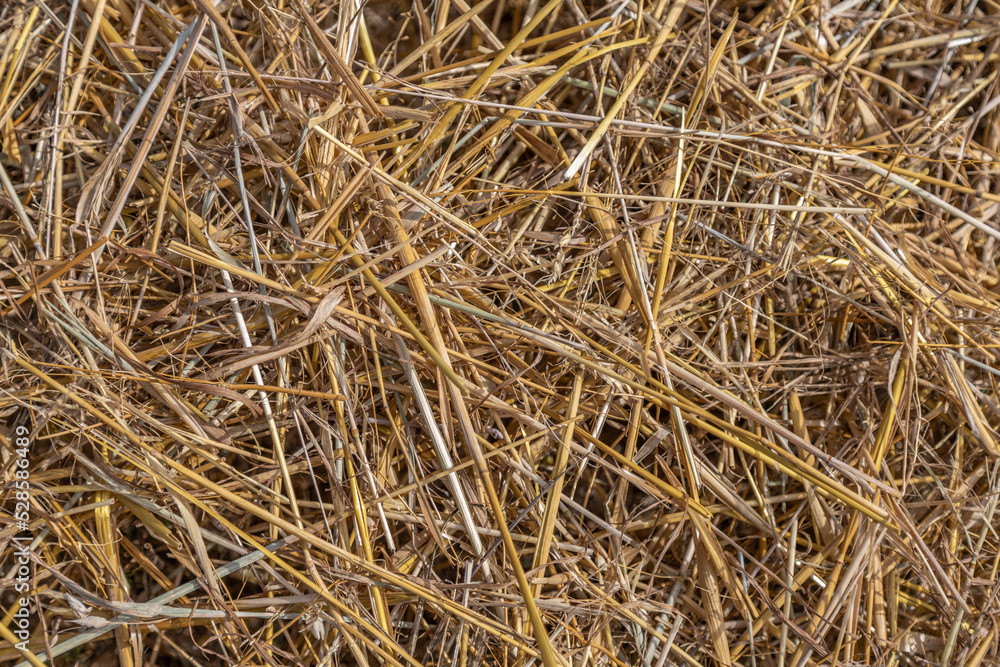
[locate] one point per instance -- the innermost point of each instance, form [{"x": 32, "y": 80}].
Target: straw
[{"x": 510, "y": 332}]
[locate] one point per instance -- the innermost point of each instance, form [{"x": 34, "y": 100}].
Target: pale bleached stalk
[{"x": 441, "y": 451}]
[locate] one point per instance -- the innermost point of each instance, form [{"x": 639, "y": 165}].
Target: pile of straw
[{"x": 531, "y": 332}]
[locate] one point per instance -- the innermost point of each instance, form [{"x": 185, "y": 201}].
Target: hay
[{"x": 375, "y": 336}]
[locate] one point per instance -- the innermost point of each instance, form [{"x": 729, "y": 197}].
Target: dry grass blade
[{"x": 500, "y": 333}]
